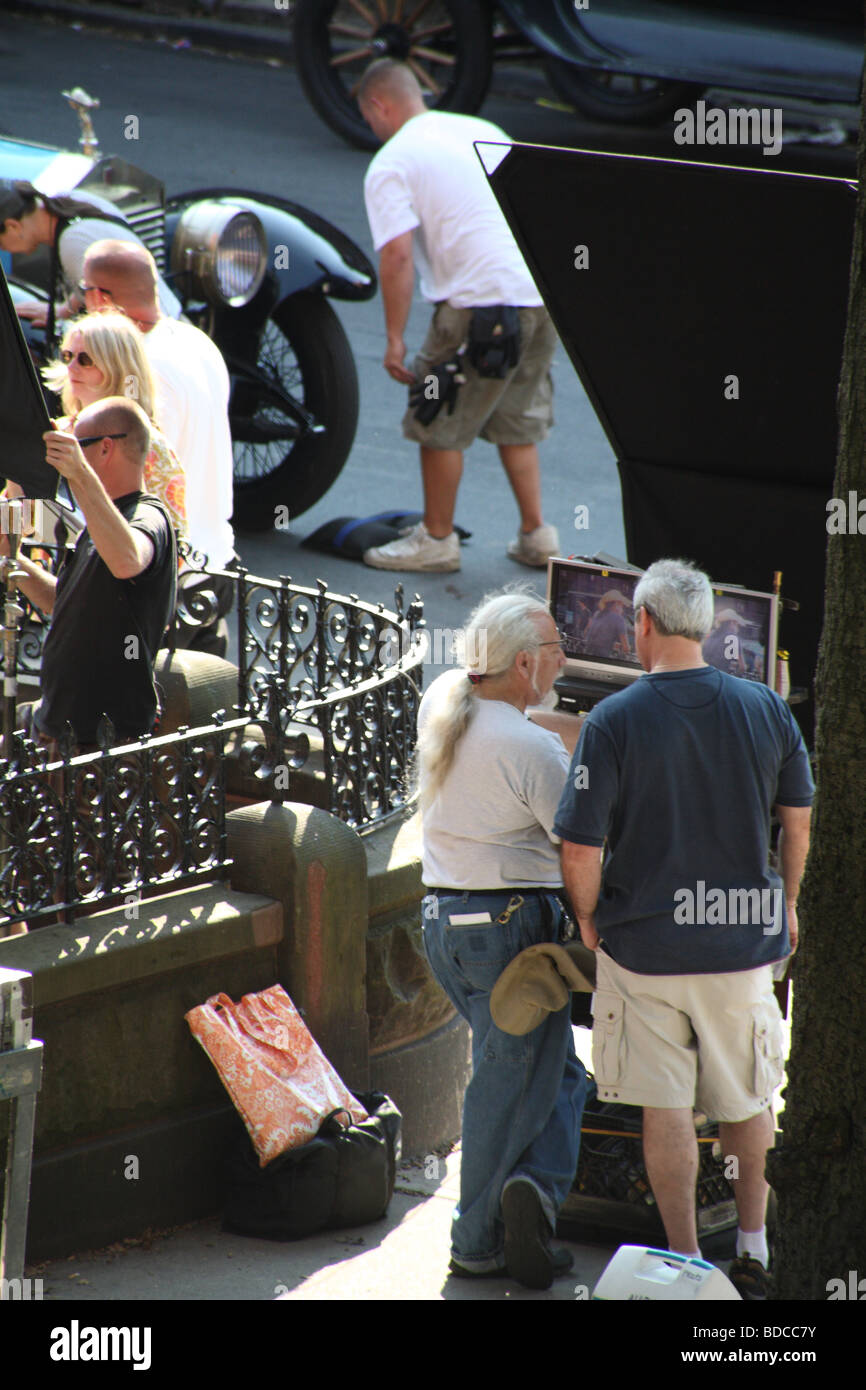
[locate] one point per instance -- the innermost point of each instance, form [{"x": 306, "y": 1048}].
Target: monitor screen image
[
  {"x": 592, "y": 608},
  {"x": 743, "y": 637}
]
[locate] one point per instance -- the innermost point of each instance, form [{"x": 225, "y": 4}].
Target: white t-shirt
[
  {"x": 79, "y": 236},
  {"x": 428, "y": 179},
  {"x": 491, "y": 826},
  {"x": 192, "y": 384}
]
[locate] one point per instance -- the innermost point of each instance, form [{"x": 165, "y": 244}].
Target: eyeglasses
[
  {"x": 558, "y": 643},
  {"x": 85, "y": 441},
  {"x": 84, "y": 358},
  {"x": 85, "y": 290}
]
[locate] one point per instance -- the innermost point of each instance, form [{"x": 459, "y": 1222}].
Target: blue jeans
[{"x": 523, "y": 1106}]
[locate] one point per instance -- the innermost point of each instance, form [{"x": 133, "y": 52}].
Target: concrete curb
[{"x": 266, "y": 40}]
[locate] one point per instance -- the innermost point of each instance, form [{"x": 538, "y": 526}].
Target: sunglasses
[
  {"x": 85, "y": 441},
  {"x": 84, "y": 358},
  {"x": 85, "y": 290}
]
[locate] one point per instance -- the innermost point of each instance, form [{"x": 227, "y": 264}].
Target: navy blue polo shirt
[{"x": 677, "y": 775}]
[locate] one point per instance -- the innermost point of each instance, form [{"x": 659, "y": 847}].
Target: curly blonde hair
[{"x": 117, "y": 348}]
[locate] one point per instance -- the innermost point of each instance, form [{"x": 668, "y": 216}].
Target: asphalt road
[{"x": 208, "y": 119}]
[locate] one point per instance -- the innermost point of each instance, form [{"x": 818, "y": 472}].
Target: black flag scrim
[{"x": 23, "y": 413}]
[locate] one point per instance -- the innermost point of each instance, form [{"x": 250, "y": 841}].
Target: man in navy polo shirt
[{"x": 675, "y": 779}]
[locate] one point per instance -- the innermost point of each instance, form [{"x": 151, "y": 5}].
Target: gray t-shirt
[{"x": 491, "y": 826}]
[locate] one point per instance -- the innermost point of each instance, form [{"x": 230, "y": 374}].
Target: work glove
[{"x": 438, "y": 387}]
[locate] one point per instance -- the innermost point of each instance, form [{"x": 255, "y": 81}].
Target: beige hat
[
  {"x": 537, "y": 983},
  {"x": 730, "y": 615},
  {"x": 612, "y": 596}
]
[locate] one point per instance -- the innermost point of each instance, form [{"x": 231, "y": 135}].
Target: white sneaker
[
  {"x": 416, "y": 550},
  {"x": 535, "y": 547}
]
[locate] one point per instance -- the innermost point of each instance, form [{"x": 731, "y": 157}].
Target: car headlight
[{"x": 223, "y": 248}]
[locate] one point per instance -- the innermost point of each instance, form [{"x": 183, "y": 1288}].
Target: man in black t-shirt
[
  {"x": 678, "y": 775},
  {"x": 113, "y": 597}
]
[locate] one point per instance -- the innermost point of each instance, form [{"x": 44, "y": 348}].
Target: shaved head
[
  {"x": 118, "y": 415},
  {"x": 389, "y": 95},
  {"x": 127, "y": 271},
  {"x": 390, "y": 79}
]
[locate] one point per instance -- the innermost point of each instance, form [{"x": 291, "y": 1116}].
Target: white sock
[{"x": 754, "y": 1243}]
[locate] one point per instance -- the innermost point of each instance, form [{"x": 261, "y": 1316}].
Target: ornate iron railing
[
  {"x": 312, "y": 659},
  {"x": 352, "y": 671},
  {"x": 89, "y": 830},
  {"x": 314, "y": 641}
]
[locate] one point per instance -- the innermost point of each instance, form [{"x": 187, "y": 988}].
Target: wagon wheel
[{"x": 447, "y": 44}]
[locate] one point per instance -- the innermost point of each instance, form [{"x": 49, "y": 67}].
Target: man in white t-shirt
[
  {"x": 192, "y": 411},
  {"x": 428, "y": 198},
  {"x": 489, "y": 781}
]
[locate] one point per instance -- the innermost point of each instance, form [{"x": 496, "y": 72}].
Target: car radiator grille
[{"x": 148, "y": 222}]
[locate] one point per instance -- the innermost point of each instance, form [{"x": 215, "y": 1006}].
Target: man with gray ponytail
[
  {"x": 489, "y": 782},
  {"x": 678, "y": 777}
]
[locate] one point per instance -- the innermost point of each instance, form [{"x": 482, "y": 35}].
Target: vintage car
[
  {"x": 613, "y": 60},
  {"x": 257, "y": 273}
]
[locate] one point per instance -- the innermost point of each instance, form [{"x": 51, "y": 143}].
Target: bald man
[
  {"x": 428, "y": 198},
  {"x": 112, "y": 599},
  {"x": 192, "y": 411}
]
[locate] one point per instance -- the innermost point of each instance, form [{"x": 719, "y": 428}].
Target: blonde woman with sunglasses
[{"x": 102, "y": 355}]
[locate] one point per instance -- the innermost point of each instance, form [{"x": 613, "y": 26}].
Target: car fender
[
  {"x": 305, "y": 252},
  {"x": 753, "y": 48},
  {"x": 555, "y": 28}
]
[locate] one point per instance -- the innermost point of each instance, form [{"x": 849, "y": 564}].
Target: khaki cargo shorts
[
  {"x": 516, "y": 410},
  {"x": 672, "y": 1041}
]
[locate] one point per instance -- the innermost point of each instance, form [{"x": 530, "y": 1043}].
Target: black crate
[{"x": 611, "y": 1198}]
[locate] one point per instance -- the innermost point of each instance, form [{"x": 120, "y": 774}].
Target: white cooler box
[{"x": 639, "y": 1272}]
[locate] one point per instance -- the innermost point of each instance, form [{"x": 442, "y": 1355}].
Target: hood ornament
[{"x": 82, "y": 105}]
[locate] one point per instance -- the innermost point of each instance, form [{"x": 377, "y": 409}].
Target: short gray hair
[{"x": 678, "y": 598}]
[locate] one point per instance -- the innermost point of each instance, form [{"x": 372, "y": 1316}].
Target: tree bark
[{"x": 819, "y": 1172}]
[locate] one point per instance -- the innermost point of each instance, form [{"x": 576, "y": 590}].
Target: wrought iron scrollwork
[{"x": 85, "y": 830}]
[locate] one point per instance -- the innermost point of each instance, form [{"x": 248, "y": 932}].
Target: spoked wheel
[
  {"x": 447, "y": 44},
  {"x": 302, "y": 351},
  {"x": 624, "y": 98}
]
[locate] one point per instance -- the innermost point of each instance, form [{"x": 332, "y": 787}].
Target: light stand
[{"x": 12, "y": 614}]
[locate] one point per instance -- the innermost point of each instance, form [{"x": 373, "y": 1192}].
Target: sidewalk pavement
[{"x": 402, "y": 1258}]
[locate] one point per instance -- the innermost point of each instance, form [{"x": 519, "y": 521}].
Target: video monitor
[
  {"x": 592, "y": 608},
  {"x": 743, "y": 637}
]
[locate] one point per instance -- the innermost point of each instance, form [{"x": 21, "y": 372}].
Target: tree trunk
[{"x": 819, "y": 1173}]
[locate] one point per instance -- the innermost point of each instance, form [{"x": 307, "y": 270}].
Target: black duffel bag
[{"x": 343, "y": 1177}]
